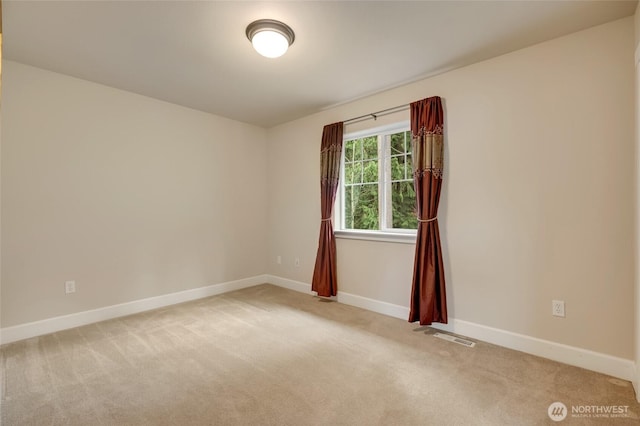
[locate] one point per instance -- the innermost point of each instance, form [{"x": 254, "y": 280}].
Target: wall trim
[
  {"x": 636, "y": 378},
  {"x": 590, "y": 360},
  {"x": 578, "y": 357},
  {"x": 384, "y": 308},
  {"x": 290, "y": 284},
  {"x": 51, "y": 325}
]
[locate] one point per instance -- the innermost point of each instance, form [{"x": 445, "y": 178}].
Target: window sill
[{"x": 387, "y": 237}]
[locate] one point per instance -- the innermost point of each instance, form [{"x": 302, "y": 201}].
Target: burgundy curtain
[
  {"x": 325, "y": 282},
  {"x": 428, "y": 298}
]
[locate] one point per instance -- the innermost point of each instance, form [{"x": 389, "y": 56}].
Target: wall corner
[{"x": 636, "y": 381}]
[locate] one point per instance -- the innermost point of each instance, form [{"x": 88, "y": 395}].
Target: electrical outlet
[
  {"x": 557, "y": 308},
  {"x": 70, "y": 287},
  {"x": 279, "y": 260},
  {"x": 297, "y": 262}
]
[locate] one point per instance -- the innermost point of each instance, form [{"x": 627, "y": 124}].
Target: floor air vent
[{"x": 454, "y": 339}]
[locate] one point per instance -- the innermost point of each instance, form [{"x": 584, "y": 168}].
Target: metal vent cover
[{"x": 454, "y": 339}]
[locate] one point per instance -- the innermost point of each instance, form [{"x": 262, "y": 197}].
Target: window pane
[
  {"x": 397, "y": 167},
  {"x": 361, "y": 207},
  {"x": 377, "y": 174},
  {"x": 405, "y": 166},
  {"x": 348, "y": 206},
  {"x": 370, "y": 171},
  {"x": 358, "y": 170},
  {"x": 353, "y": 172},
  {"x": 404, "y": 205},
  {"x": 370, "y": 146},
  {"x": 353, "y": 150},
  {"x": 357, "y": 149},
  {"x": 348, "y": 173},
  {"x": 348, "y": 150},
  {"x": 397, "y": 143}
]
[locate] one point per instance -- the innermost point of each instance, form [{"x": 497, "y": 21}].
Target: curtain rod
[{"x": 376, "y": 114}]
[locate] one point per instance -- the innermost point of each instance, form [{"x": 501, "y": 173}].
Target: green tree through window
[{"x": 377, "y": 186}]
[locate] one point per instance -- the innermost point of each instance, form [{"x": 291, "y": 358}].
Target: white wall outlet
[
  {"x": 279, "y": 260},
  {"x": 557, "y": 308},
  {"x": 297, "y": 262},
  {"x": 70, "y": 287}
]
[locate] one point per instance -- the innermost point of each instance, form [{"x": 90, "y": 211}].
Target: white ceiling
[{"x": 196, "y": 54}]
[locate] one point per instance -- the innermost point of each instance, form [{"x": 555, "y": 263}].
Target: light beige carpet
[{"x": 269, "y": 356}]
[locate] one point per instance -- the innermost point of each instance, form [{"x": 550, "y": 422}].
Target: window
[{"x": 376, "y": 192}]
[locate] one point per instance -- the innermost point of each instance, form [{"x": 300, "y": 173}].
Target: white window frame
[{"x": 385, "y": 233}]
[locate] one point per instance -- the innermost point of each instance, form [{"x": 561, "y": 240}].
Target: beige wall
[
  {"x": 129, "y": 196},
  {"x": 537, "y": 197}
]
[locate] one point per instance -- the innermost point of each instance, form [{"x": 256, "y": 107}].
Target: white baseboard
[
  {"x": 51, "y": 325},
  {"x": 290, "y": 284},
  {"x": 384, "y": 308},
  {"x": 603, "y": 363},
  {"x": 578, "y": 357},
  {"x": 346, "y": 298}
]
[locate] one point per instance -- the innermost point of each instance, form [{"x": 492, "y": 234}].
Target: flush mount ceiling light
[{"x": 270, "y": 38}]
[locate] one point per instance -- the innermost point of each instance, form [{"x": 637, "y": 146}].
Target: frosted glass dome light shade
[
  {"x": 270, "y": 38},
  {"x": 270, "y": 44}
]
